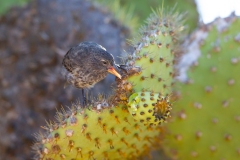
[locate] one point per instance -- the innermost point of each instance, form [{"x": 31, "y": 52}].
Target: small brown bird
[{"x": 86, "y": 64}]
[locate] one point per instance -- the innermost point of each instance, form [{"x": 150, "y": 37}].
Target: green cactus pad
[
  {"x": 206, "y": 123},
  {"x": 156, "y": 54},
  {"x": 97, "y": 134},
  {"x": 149, "y": 108}
]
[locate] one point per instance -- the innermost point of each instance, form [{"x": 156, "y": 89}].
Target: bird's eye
[{"x": 104, "y": 62}]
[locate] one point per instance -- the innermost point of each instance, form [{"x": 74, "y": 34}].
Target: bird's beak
[{"x": 114, "y": 72}]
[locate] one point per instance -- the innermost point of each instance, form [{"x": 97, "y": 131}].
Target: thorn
[
  {"x": 104, "y": 128},
  {"x": 70, "y": 145},
  {"x": 97, "y": 143},
  {"x": 111, "y": 144},
  {"x": 84, "y": 127},
  {"x": 88, "y": 136},
  {"x": 126, "y": 131},
  {"x": 123, "y": 140}
]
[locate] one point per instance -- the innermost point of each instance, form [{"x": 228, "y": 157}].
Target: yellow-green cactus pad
[
  {"x": 156, "y": 53},
  {"x": 110, "y": 133},
  {"x": 206, "y": 119}
]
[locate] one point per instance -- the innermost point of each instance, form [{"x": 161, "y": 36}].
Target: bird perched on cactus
[
  {"x": 124, "y": 125},
  {"x": 86, "y": 64}
]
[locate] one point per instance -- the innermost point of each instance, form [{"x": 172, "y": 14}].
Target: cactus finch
[{"x": 86, "y": 64}]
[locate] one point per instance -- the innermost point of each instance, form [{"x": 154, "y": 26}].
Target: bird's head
[{"x": 104, "y": 61}]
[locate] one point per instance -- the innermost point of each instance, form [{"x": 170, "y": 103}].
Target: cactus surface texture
[
  {"x": 124, "y": 125},
  {"x": 206, "y": 118}
]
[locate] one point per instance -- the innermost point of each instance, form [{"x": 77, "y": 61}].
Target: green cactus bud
[
  {"x": 207, "y": 115},
  {"x": 149, "y": 108}
]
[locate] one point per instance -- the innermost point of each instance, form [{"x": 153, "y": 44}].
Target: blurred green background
[
  {"x": 6, "y": 4},
  {"x": 140, "y": 9}
]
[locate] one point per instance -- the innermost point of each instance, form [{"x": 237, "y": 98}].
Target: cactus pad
[
  {"x": 101, "y": 134},
  {"x": 156, "y": 54},
  {"x": 207, "y": 116}
]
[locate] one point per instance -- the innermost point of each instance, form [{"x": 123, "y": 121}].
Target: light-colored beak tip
[{"x": 114, "y": 72}]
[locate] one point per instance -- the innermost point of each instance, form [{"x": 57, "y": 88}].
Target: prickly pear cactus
[
  {"x": 109, "y": 133},
  {"x": 206, "y": 118},
  {"x": 123, "y": 126},
  {"x": 155, "y": 55}
]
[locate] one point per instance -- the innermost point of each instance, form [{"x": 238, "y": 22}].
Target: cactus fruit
[
  {"x": 108, "y": 129},
  {"x": 149, "y": 108},
  {"x": 206, "y": 118}
]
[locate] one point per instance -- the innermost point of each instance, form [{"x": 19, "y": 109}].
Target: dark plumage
[{"x": 88, "y": 63}]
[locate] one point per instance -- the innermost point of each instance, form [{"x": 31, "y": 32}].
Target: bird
[{"x": 86, "y": 64}]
